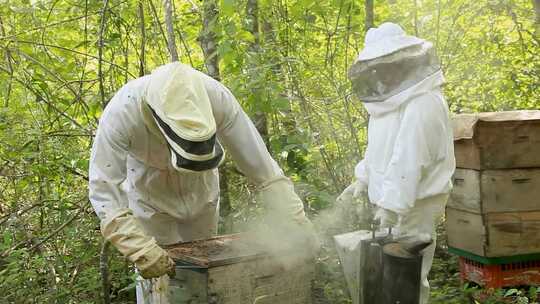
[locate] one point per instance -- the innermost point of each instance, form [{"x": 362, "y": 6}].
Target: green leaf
[
  {"x": 227, "y": 7},
  {"x": 511, "y": 292}
]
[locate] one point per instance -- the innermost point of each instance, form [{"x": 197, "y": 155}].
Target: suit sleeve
[
  {"x": 107, "y": 169},
  {"x": 361, "y": 172},
  {"x": 241, "y": 139}
]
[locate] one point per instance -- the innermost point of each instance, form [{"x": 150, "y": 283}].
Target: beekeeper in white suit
[
  {"x": 409, "y": 159},
  {"x": 153, "y": 168}
]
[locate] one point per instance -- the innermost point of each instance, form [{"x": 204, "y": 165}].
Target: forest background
[{"x": 285, "y": 61}]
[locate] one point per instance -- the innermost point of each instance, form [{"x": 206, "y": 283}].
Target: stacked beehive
[{"x": 493, "y": 215}]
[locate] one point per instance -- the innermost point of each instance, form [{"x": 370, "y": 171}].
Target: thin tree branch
[
  {"x": 57, "y": 230},
  {"x": 369, "y": 14},
  {"x": 61, "y": 22},
  {"x": 36, "y": 244},
  {"x": 171, "y": 41},
  {"x": 72, "y": 51},
  {"x": 104, "y": 269},
  {"x": 142, "y": 62},
  {"x": 156, "y": 18},
  {"x": 42, "y": 98},
  {"x": 100, "y": 51},
  {"x": 10, "y": 67}
]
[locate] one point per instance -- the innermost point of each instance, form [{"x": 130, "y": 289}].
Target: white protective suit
[
  {"x": 409, "y": 161},
  {"x": 130, "y": 167}
]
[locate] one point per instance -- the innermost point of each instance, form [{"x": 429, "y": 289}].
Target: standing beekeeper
[
  {"x": 153, "y": 168},
  {"x": 409, "y": 159}
]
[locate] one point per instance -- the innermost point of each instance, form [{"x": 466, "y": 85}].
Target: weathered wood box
[
  {"x": 494, "y": 234},
  {"x": 494, "y": 208},
  {"x": 488, "y": 191},
  {"x": 232, "y": 270},
  {"x": 497, "y": 140}
]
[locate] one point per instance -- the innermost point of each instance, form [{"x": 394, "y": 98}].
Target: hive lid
[
  {"x": 464, "y": 124},
  {"x": 217, "y": 251}
]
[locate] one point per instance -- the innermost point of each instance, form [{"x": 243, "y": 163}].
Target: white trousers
[
  {"x": 421, "y": 222},
  {"x": 168, "y": 230}
]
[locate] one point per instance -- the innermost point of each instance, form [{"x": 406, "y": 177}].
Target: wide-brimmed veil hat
[
  {"x": 385, "y": 40},
  {"x": 180, "y": 107}
]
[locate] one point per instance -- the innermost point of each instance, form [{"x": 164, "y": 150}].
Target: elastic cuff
[
  {"x": 114, "y": 215},
  {"x": 147, "y": 248}
]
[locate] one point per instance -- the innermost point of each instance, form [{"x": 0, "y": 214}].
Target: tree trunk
[
  {"x": 536, "y": 4},
  {"x": 270, "y": 41},
  {"x": 9, "y": 67},
  {"x": 100, "y": 51},
  {"x": 369, "y": 14},
  {"x": 208, "y": 41},
  {"x": 207, "y": 38},
  {"x": 252, "y": 25},
  {"x": 142, "y": 61},
  {"x": 415, "y": 18},
  {"x": 171, "y": 42}
]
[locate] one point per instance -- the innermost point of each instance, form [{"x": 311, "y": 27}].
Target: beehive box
[
  {"x": 497, "y": 140},
  {"x": 233, "y": 270},
  {"x": 494, "y": 234},
  {"x": 488, "y": 191}
]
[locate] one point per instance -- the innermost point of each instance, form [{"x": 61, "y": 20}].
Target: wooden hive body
[
  {"x": 490, "y": 191},
  {"x": 494, "y": 208},
  {"x": 498, "y": 140},
  {"x": 494, "y": 234},
  {"x": 243, "y": 275}
]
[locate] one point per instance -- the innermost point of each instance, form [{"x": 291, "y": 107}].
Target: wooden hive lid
[
  {"x": 464, "y": 125},
  {"x": 217, "y": 251}
]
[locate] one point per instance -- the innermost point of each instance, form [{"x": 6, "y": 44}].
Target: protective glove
[
  {"x": 349, "y": 208},
  {"x": 123, "y": 230},
  {"x": 155, "y": 264},
  {"x": 386, "y": 218},
  {"x": 353, "y": 191},
  {"x": 286, "y": 209}
]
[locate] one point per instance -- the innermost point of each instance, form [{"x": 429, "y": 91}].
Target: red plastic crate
[{"x": 500, "y": 275}]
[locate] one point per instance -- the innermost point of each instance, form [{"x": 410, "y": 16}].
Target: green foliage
[{"x": 294, "y": 72}]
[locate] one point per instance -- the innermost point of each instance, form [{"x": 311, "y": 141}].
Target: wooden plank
[
  {"x": 488, "y": 191},
  {"x": 510, "y": 190},
  {"x": 509, "y": 144},
  {"x": 467, "y": 154},
  {"x": 504, "y": 234},
  {"x": 188, "y": 286},
  {"x": 231, "y": 284},
  {"x": 513, "y": 233},
  {"x": 466, "y": 192},
  {"x": 465, "y": 231}
]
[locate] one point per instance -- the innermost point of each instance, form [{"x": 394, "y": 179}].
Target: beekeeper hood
[
  {"x": 391, "y": 62},
  {"x": 179, "y": 105}
]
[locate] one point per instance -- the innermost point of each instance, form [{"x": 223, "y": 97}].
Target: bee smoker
[
  {"x": 401, "y": 272},
  {"x": 386, "y": 270}
]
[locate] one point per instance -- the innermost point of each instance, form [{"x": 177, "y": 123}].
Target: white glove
[
  {"x": 286, "y": 209},
  {"x": 124, "y": 231},
  {"x": 353, "y": 191},
  {"x": 386, "y": 218},
  {"x": 279, "y": 198},
  {"x": 155, "y": 264}
]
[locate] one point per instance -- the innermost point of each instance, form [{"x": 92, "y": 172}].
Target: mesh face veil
[{"x": 378, "y": 79}]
